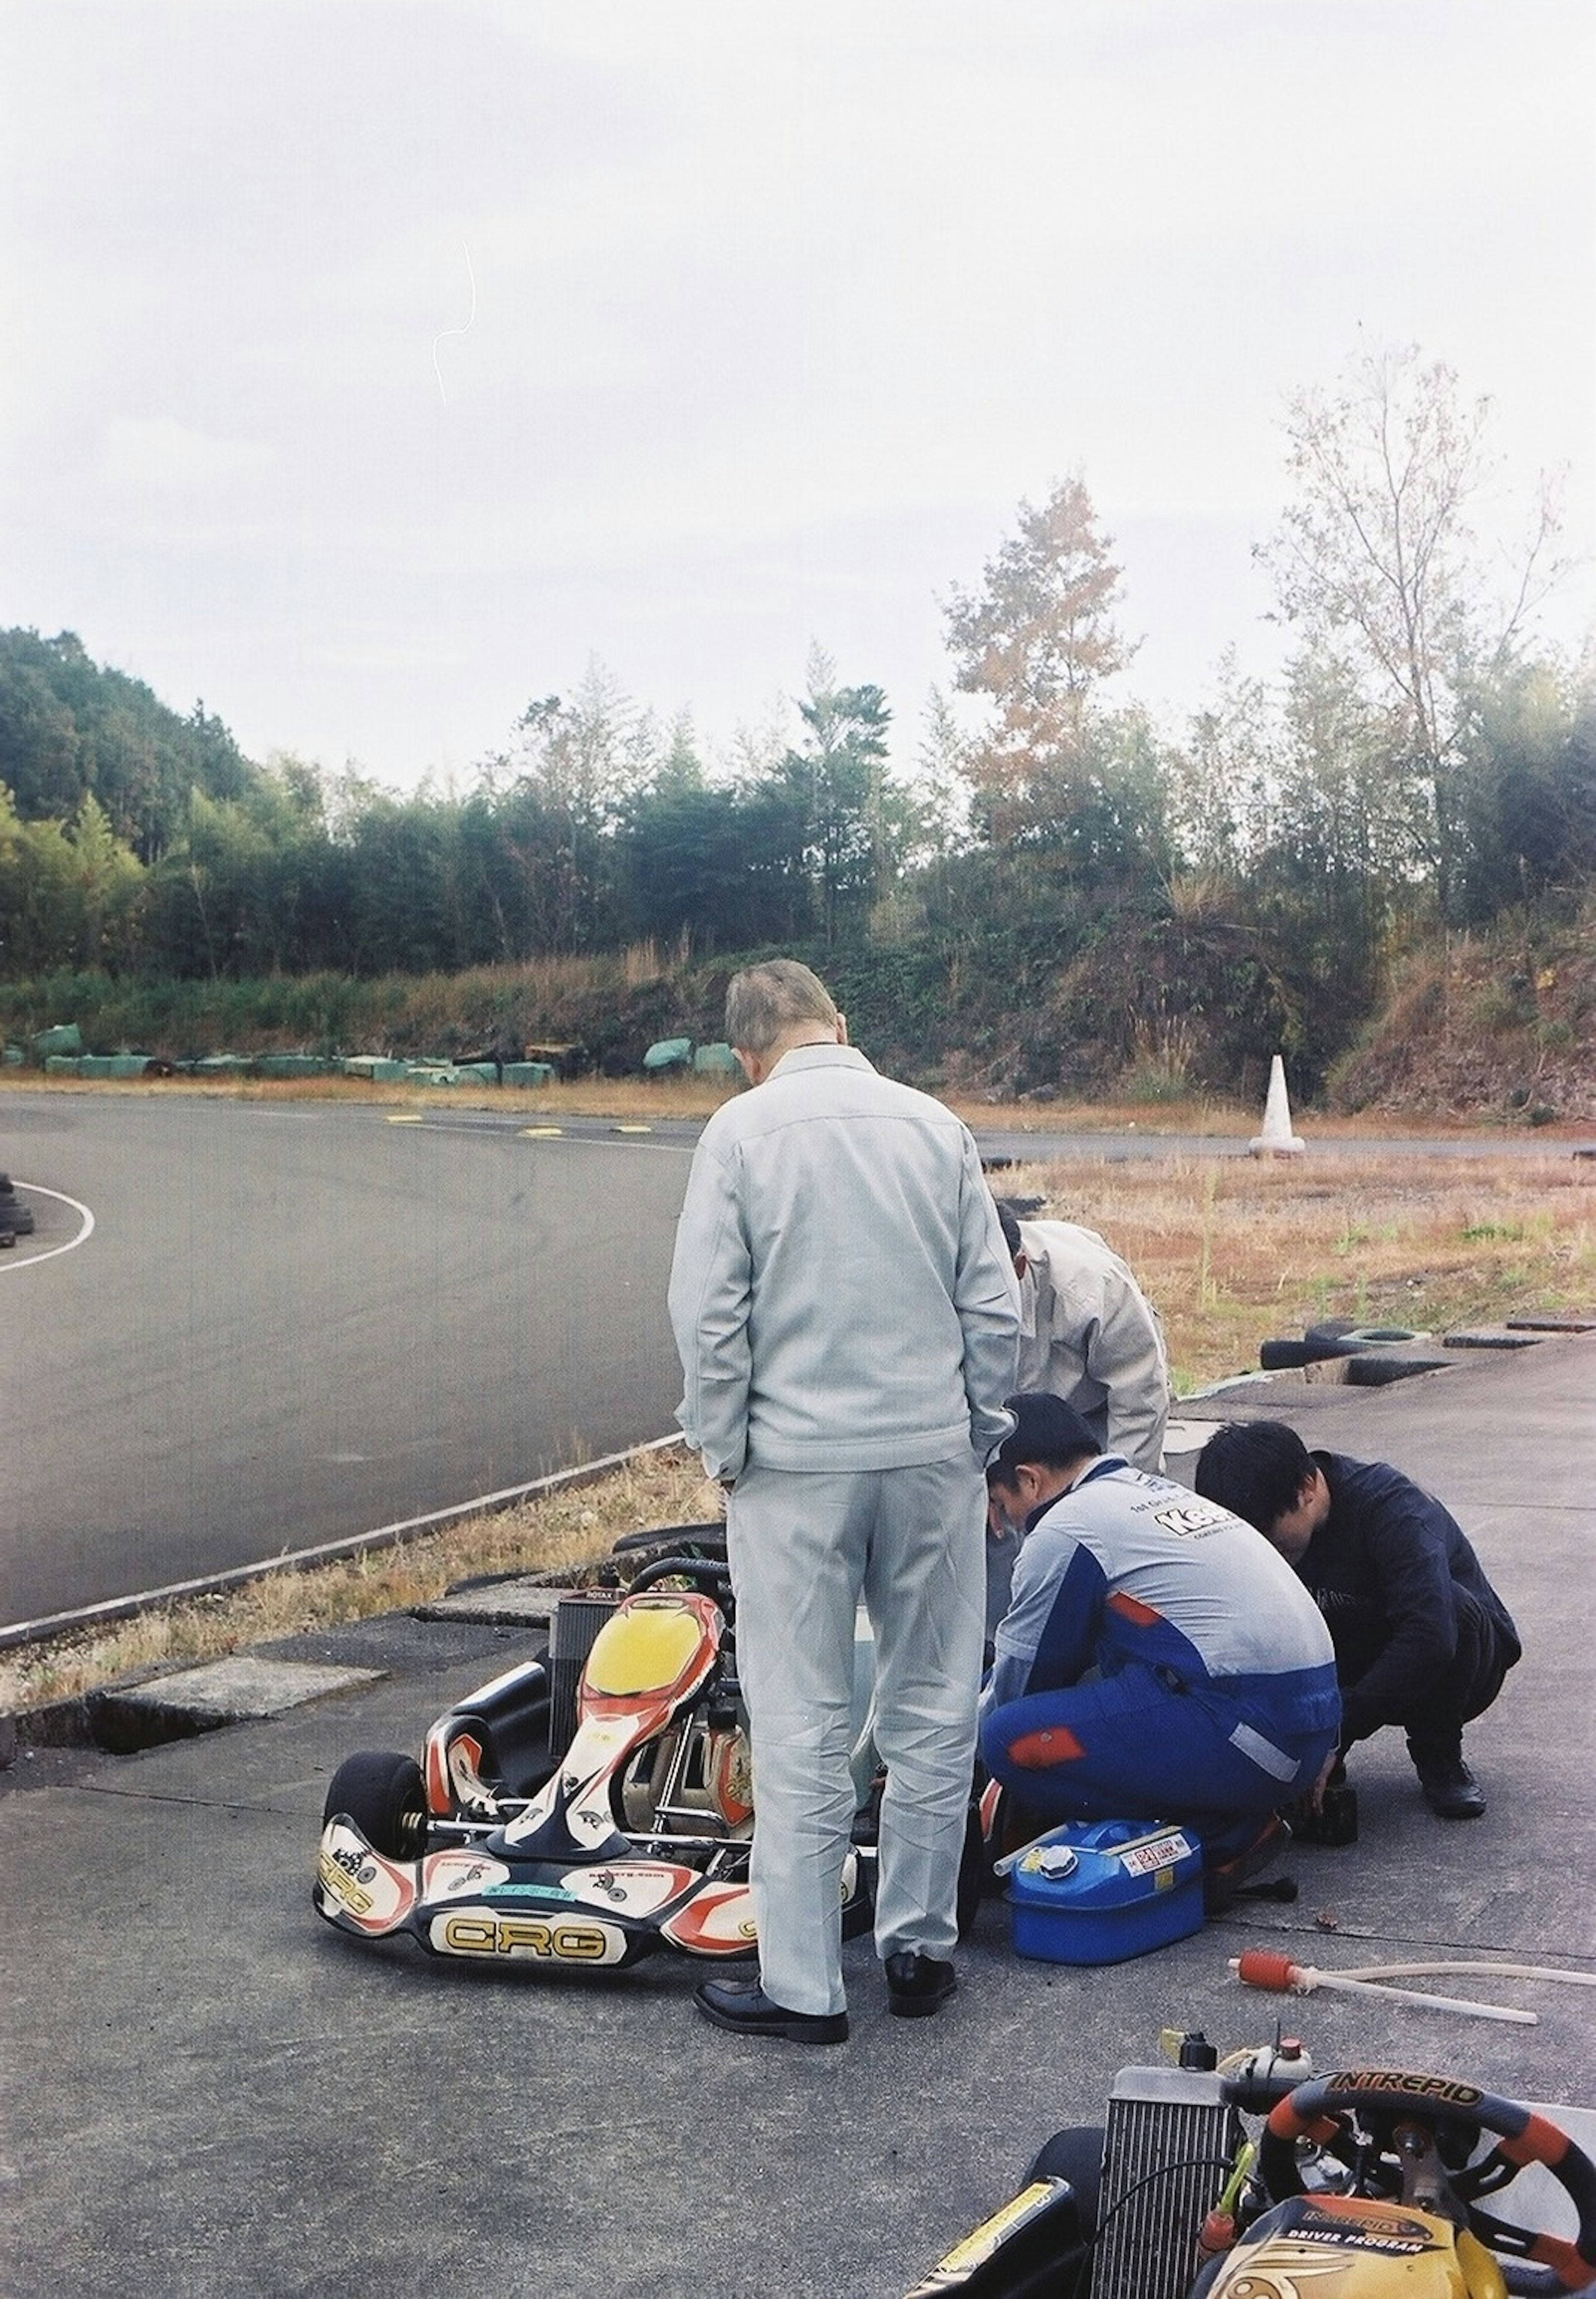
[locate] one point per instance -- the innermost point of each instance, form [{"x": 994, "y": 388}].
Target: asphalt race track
[
  {"x": 293, "y": 1323},
  {"x": 242, "y": 1328}
]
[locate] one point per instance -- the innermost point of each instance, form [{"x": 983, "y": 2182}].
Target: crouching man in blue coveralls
[{"x": 1158, "y": 1660}]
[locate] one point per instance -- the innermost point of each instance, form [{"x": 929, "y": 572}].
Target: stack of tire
[
  {"x": 1378, "y": 1355},
  {"x": 16, "y": 1219}
]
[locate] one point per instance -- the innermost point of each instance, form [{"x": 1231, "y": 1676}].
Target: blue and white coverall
[{"x": 1159, "y": 1660}]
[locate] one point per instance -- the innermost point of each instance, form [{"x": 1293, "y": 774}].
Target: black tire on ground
[
  {"x": 974, "y": 1872},
  {"x": 858, "y": 1913},
  {"x": 384, "y": 1796},
  {"x": 1075, "y": 2155},
  {"x": 1330, "y": 1329}
]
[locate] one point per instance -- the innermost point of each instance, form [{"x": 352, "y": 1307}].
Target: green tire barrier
[
  {"x": 60, "y": 1051},
  {"x": 376, "y": 1068},
  {"x": 295, "y": 1066}
]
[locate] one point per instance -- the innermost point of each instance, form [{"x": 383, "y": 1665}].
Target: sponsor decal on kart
[
  {"x": 444, "y": 1875},
  {"x": 1403, "y": 2086},
  {"x": 365, "y": 1890},
  {"x": 1305, "y": 2246},
  {"x": 635, "y": 1887},
  {"x": 491, "y": 1932},
  {"x": 982, "y": 2243},
  {"x": 729, "y": 1771},
  {"x": 553, "y": 1895},
  {"x": 718, "y": 1921}
]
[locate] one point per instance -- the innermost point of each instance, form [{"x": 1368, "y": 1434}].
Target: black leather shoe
[
  {"x": 917, "y": 1985},
  {"x": 1450, "y": 1788},
  {"x": 743, "y": 2007}
]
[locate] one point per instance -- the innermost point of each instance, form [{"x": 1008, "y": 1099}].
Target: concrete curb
[{"x": 240, "y": 1689}]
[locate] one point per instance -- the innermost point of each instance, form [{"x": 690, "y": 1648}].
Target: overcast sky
[{"x": 368, "y": 369}]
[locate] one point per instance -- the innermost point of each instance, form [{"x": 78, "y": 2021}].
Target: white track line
[{"x": 32, "y": 1260}]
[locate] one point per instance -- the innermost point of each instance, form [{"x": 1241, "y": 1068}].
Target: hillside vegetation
[{"x": 1380, "y": 865}]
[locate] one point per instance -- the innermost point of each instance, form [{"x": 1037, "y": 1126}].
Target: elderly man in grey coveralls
[{"x": 847, "y": 1319}]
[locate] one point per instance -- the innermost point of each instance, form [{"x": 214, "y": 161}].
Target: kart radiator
[
  {"x": 577, "y": 1620},
  {"x": 1169, "y": 2141}
]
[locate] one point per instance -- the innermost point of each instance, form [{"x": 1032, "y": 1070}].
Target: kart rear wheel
[
  {"x": 384, "y": 1795},
  {"x": 1075, "y": 2155},
  {"x": 859, "y": 1909},
  {"x": 975, "y": 1871}
]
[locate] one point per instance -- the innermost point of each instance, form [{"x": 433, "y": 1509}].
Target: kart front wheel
[{"x": 385, "y": 1796}]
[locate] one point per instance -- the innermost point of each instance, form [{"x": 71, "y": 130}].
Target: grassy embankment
[{"x": 1232, "y": 1250}]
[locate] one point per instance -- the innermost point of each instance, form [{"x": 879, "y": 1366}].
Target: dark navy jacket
[{"x": 1384, "y": 1569}]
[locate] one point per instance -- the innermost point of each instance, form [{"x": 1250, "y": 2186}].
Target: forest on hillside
[{"x": 1055, "y": 886}]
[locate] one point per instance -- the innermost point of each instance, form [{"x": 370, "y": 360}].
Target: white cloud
[
  {"x": 780, "y": 310},
  {"x": 160, "y": 455}
]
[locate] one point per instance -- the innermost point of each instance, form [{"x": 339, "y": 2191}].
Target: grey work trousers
[{"x": 803, "y": 1549}]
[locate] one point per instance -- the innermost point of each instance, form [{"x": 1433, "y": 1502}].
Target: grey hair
[{"x": 763, "y": 1002}]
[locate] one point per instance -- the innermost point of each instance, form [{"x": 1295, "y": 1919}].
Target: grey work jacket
[
  {"x": 1089, "y": 1334},
  {"x": 840, "y": 1293}
]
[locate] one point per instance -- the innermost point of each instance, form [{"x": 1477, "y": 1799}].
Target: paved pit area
[{"x": 205, "y": 2090}]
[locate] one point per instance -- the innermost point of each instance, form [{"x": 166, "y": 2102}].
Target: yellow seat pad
[{"x": 643, "y": 1648}]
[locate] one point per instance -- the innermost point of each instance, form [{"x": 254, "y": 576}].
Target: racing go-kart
[
  {"x": 1367, "y": 2184},
  {"x": 633, "y": 1837}
]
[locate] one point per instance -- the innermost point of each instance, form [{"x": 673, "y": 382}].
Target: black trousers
[{"x": 1435, "y": 1718}]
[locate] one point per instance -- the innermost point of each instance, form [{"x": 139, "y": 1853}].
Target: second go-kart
[
  {"x": 632, "y": 1838},
  {"x": 1366, "y": 2184}
]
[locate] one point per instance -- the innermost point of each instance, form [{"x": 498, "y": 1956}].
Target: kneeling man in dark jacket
[{"x": 1422, "y": 1639}]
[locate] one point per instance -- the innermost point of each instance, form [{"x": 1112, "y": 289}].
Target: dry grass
[
  {"x": 1234, "y": 1251},
  {"x": 570, "y": 1527},
  {"x": 619, "y": 1098}
]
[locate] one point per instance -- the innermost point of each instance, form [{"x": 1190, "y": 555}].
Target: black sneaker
[
  {"x": 1449, "y": 1789},
  {"x": 743, "y": 2007},
  {"x": 917, "y": 1985}
]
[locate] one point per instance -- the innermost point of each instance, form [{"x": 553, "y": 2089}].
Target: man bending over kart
[
  {"x": 1422, "y": 1639},
  {"x": 1158, "y": 1661},
  {"x": 1088, "y": 1334},
  {"x": 847, "y": 1319}
]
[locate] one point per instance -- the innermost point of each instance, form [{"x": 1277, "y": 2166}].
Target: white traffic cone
[{"x": 1277, "y": 1139}]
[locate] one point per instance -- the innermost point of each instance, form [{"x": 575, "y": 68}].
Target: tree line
[{"x": 1420, "y": 758}]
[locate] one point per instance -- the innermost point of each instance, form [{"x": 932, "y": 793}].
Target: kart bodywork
[
  {"x": 635, "y": 1837},
  {"x": 1366, "y": 2184}
]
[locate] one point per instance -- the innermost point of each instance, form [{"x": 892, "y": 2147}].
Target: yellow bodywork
[
  {"x": 1377, "y": 2250},
  {"x": 643, "y": 1648}
]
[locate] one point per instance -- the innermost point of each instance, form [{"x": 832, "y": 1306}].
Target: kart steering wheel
[{"x": 1318, "y": 2111}]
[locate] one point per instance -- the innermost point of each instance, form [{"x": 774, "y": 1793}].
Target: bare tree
[{"x": 1377, "y": 553}]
